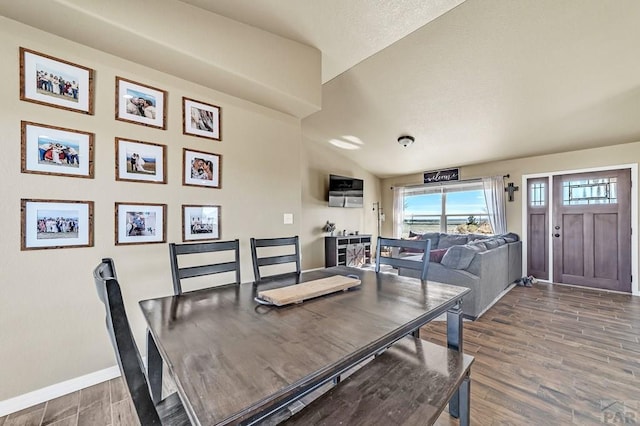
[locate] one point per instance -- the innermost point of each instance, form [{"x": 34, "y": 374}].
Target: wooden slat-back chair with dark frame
[
  {"x": 179, "y": 273},
  {"x": 169, "y": 411},
  {"x": 259, "y": 261},
  {"x": 399, "y": 262}
]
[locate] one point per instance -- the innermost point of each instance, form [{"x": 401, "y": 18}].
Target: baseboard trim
[{"x": 30, "y": 399}]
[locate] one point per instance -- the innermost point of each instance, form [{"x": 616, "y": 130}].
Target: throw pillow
[
  {"x": 491, "y": 243},
  {"x": 434, "y": 237},
  {"x": 437, "y": 255},
  {"x": 413, "y": 234},
  {"x": 449, "y": 240},
  {"x": 411, "y": 250},
  {"x": 459, "y": 257}
]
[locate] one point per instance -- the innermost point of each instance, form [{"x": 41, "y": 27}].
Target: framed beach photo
[
  {"x": 140, "y": 104},
  {"x": 138, "y": 161},
  {"x": 55, "y": 82},
  {"x": 140, "y": 223},
  {"x": 201, "y": 168},
  {"x": 201, "y": 119},
  {"x": 53, "y": 224},
  {"x": 200, "y": 222},
  {"x": 51, "y": 150}
]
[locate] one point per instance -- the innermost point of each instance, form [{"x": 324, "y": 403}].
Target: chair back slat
[
  {"x": 125, "y": 347},
  {"x": 259, "y": 261},
  {"x": 179, "y": 273},
  {"x": 396, "y": 262}
]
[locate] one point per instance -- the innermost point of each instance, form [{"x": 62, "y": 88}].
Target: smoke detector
[{"x": 406, "y": 140}]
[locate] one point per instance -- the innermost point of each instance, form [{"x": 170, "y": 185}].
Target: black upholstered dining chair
[
  {"x": 169, "y": 411},
  {"x": 260, "y": 246},
  {"x": 399, "y": 262},
  {"x": 180, "y": 250}
]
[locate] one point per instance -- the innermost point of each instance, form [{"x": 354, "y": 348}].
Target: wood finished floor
[{"x": 547, "y": 355}]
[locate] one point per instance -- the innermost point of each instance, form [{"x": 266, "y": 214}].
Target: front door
[{"x": 591, "y": 229}]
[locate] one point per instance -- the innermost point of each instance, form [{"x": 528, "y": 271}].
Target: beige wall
[
  {"x": 51, "y": 322},
  {"x": 318, "y": 162},
  {"x": 574, "y": 160}
]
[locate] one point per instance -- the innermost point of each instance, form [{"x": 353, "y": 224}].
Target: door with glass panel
[
  {"x": 591, "y": 229},
  {"x": 538, "y": 228}
]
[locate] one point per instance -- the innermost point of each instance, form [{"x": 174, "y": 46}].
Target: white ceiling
[
  {"x": 472, "y": 81},
  {"x": 487, "y": 80}
]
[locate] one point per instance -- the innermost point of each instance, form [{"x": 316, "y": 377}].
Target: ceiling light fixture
[{"x": 406, "y": 140}]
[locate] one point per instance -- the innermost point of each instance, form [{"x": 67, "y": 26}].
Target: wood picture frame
[
  {"x": 140, "y": 223},
  {"x": 201, "y": 119},
  {"x": 55, "y": 224},
  {"x": 201, "y": 168},
  {"x": 138, "y": 161},
  {"x": 56, "y": 151},
  {"x": 141, "y": 104},
  {"x": 54, "y": 82},
  {"x": 200, "y": 222}
]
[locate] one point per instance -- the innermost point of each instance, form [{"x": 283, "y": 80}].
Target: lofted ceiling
[{"x": 473, "y": 81}]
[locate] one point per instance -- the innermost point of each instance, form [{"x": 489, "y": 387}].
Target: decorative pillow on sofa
[
  {"x": 434, "y": 237},
  {"x": 415, "y": 237},
  {"x": 459, "y": 257},
  {"x": 493, "y": 243},
  {"x": 479, "y": 244},
  {"x": 437, "y": 255},
  {"x": 449, "y": 240},
  {"x": 413, "y": 234}
]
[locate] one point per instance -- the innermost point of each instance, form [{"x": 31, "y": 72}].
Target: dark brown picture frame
[
  {"x": 51, "y": 228},
  {"x": 44, "y": 91},
  {"x": 133, "y": 170},
  {"x": 124, "y": 234},
  {"x": 33, "y": 158},
  {"x": 188, "y": 227},
  {"x": 201, "y": 169},
  {"x": 128, "y": 89},
  {"x": 196, "y": 120}
]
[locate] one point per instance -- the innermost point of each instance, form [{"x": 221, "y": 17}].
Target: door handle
[{"x": 556, "y": 235}]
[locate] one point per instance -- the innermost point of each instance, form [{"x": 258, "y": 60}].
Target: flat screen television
[{"x": 345, "y": 191}]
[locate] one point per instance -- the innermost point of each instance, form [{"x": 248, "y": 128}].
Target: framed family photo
[
  {"x": 200, "y": 223},
  {"x": 140, "y": 104},
  {"x": 201, "y": 168},
  {"x": 51, "y": 150},
  {"x": 53, "y": 224},
  {"x": 140, "y": 223},
  {"x": 201, "y": 119},
  {"x": 138, "y": 161},
  {"x": 55, "y": 82}
]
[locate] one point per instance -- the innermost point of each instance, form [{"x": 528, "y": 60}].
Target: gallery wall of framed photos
[{"x": 100, "y": 143}]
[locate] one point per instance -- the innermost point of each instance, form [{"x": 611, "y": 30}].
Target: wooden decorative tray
[{"x": 307, "y": 290}]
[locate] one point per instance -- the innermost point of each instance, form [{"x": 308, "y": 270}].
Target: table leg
[
  {"x": 454, "y": 341},
  {"x": 154, "y": 369},
  {"x": 465, "y": 394}
]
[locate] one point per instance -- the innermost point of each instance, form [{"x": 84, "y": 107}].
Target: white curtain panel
[
  {"x": 495, "y": 199},
  {"x": 398, "y": 211}
]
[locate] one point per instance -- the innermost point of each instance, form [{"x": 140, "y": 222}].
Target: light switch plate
[{"x": 288, "y": 218}]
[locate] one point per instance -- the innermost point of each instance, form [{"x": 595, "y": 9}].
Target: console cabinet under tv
[{"x": 348, "y": 250}]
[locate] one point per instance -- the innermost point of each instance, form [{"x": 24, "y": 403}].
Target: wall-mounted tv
[{"x": 345, "y": 191}]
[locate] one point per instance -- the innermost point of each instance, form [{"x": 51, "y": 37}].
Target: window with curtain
[{"x": 453, "y": 208}]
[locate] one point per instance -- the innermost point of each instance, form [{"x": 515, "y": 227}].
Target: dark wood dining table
[{"x": 235, "y": 361}]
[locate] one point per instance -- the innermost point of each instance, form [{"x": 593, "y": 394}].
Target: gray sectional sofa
[{"x": 485, "y": 264}]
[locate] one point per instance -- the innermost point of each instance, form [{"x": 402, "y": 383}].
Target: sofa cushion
[
  {"x": 450, "y": 240},
  {"x": 459, "y": 256},
  {"x": 415, "y": 237},
  {"x": 434, "y": 237},
  {"x": 437, "y": 255},
  {"x": 492, "y": 243},
  {"x": 510, "y": 237},
  {"x": 479, "y": 244}
]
